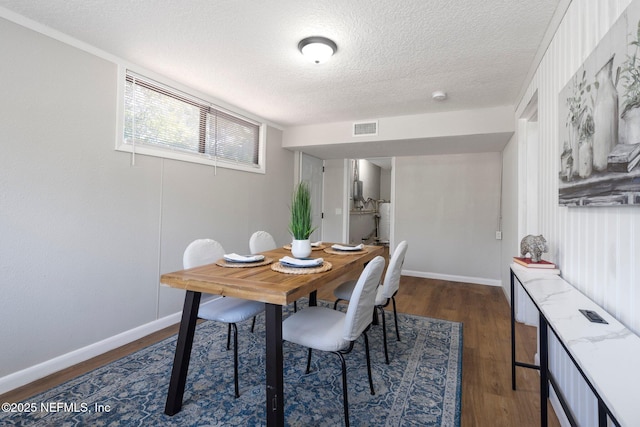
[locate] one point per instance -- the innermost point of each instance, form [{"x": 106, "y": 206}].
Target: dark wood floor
[{"x": 487, "y": 398}]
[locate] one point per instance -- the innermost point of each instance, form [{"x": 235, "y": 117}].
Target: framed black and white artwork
[{"x": 599, "y": 109}]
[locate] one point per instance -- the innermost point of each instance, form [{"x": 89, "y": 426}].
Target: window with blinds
[{"x": 163, "y": 121}]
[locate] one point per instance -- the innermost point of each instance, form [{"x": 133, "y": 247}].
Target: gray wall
[
  {"x": 335, "y": 200},
  {"x": 510, "y": 236},
  {"x": 447, "y": 208},
  {"x": 385, "y": 184},
  {"x": 84, "y": 236}
]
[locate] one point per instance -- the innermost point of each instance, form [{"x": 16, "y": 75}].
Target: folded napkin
[
  {"x": 316, "y": 244},
  {"x": 295, "y": 262},
  {"x": 243, "y": 258},
  {"x": 348, "y": 248}
]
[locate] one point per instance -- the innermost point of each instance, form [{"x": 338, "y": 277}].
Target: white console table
[{"x": 606, "y": 355}]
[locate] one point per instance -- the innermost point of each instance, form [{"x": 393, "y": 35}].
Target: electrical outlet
[{"x": 498, "y": 235}]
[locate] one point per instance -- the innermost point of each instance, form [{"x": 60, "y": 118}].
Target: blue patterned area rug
[{"x": 420, "y": 387}]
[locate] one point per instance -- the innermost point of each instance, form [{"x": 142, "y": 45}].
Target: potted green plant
[{"x": 300, "y": 225}]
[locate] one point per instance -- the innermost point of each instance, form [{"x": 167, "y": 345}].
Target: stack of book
[
  {"x": 530, "y": 264},
  {"x": 623, "y": 157}
]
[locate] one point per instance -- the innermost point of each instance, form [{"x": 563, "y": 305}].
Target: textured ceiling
[{"x": 391, "y": 54}]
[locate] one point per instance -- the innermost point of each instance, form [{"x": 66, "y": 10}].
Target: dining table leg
[
  {"x": 274, "y": 365},
  {"x": 313, "y": 299},
  {"x": 183, "y": 353}
]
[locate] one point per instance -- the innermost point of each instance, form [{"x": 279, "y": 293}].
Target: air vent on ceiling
[{"x": 365, "y": 128}]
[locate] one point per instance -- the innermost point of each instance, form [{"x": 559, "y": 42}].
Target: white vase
[
  {"x": 605, "y": 117},
  {"x": 585, "y": 167},
  {"x": 631, "y": 127},
  {"x": 574, "y": 139},
  {"x": 301, "y": 248}
]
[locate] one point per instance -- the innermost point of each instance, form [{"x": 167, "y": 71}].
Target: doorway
[
  {"x": 311, "y": 171},
  {"x": 370, "y": 201}
]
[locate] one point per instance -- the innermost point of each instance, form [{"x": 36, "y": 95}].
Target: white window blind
[{"x": 159, "y": 116}]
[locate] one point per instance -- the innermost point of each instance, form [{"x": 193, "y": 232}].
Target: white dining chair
[
  {"x": 227, "y": 310},
  {"x": 386, "y": 292},
  {"x": 324, "y": 329},
  {"x": 261, "y": 241}
]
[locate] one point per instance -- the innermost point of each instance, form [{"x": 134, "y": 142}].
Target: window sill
[{"x": 188, "y": 157}]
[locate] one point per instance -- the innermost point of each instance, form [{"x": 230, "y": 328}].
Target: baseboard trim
[
  {"x": 41, "y": 370},
  {"x": 452, "y": 278}
]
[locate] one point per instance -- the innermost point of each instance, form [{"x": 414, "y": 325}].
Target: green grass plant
[{"x": 300, "y": 225}]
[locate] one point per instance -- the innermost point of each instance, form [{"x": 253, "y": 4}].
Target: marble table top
[{"x": 607, "y": 354}]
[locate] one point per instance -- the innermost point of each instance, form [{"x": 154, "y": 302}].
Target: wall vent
[{"x": 365, "y": 128}]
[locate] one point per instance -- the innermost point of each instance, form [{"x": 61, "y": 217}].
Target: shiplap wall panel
[{"x": 597, "y": 248}]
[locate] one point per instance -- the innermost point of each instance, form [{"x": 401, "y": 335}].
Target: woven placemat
[
  {"x": 326, "y": 266},
  {"x": 337, "y": 252},
  {"x": 313, "y": 248},
  {"x": 224, "y": 263}
]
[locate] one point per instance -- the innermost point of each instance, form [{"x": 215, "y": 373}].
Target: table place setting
[
  {"x": 338, "y": 249},
  {"x": 243, "y": 261},
  {"x": 292, "y": 265}
]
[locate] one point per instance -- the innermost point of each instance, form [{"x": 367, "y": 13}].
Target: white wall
[
  {"x": 84, "y": 236},
  {"x": 440, "y": 131},
  {"x": 596, "y": 248}
]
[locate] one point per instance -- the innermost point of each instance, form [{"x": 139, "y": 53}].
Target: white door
[{"x": 311, "y": 172}]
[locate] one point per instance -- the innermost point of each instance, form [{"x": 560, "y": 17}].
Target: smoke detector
[{"x": 439, "y": 95}]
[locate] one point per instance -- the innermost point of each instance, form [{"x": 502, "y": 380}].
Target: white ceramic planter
[{"x": 301, "y": 248}]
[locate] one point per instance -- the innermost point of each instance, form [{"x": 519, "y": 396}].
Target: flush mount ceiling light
[
  {"x": 439, "y": 95},
  {"x": 317, "y": 49}
]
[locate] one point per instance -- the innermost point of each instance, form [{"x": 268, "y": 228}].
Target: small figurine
[{"x": 534, "y": 245}]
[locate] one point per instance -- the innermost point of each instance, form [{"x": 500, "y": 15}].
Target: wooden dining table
[{"x": 259, "y": 283}]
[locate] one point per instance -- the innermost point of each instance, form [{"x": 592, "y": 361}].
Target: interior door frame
[{"x": 317, "y": 189}]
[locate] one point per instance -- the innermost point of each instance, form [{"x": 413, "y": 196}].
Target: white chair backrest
[
  {"x": 360, "y": 310},
  {"x": 261, "y": 241},
  {"x": 201, "y": 252},
  {"x": 391, "y": 281}
]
